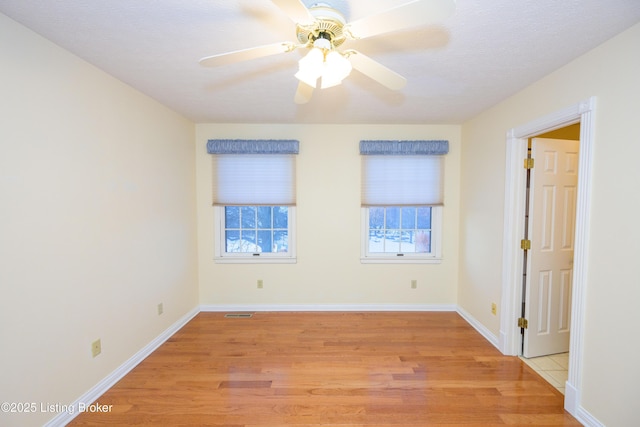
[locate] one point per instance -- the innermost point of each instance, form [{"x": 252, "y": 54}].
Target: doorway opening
[
  {"x": 515, "y": 183},
  {"x": 547, "y": 271}
]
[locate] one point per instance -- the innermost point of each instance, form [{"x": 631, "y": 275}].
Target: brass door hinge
[
  {"x": 525, "y": 244},
  {"x": 528, "y": 163},
  {"x": 523, "y": 323}
]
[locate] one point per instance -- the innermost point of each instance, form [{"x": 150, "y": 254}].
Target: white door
[{"x": 552, "y": 223}]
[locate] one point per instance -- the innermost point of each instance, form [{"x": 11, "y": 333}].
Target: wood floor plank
[{"x": 330, "y": 369}]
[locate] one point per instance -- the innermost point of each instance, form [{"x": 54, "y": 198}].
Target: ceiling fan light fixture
[
  {"x": 322, "y": 61},
  {"x": 310, "y": 67},
  {"x": 321, "y": 29},
  {"x": 335, "y": 69}
]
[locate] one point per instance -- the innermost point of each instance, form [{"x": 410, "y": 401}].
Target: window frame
[
  {"x": 433, "y": 257},
  {"x": 221, "y": 256}
]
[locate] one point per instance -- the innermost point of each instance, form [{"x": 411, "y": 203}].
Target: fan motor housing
[{"x": 328, "y": 21}]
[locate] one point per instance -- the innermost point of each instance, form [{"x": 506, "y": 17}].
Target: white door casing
[
  {"x": 554, "y": 182},
  {"x": 515, "y": 179}
]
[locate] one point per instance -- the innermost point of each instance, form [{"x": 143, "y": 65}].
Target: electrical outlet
[
  {"x": 414, "y": 284},
  {"x": 96, "y": 348},
  {"x": 160, "y": 309},
  {"x": 260, "y": 284},
  {"x": 494, "y": 308}
]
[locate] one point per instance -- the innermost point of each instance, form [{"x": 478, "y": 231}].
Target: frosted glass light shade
[
  {"x": 323, "y": 61},
  {"x": 310, "y": 67},
  {"x": 335, "y": 68}
]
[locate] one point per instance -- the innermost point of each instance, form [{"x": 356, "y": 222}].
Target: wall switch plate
[
  {"x": 414, "y": 284},
  {"x": 96, "y": 348},
  {"x": 160, "y": 309},
  {"x": 260, "y": 284},
  {"x": 494, "y": 308}
]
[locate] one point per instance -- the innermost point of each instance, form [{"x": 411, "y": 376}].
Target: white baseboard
[
  {"x": 99, "y": 389},
  {"x": 486, "y": 333},
  {"x": 587, "y": 419},
  {"x": 571, "y": 405},
  {"x": 325, "y": 307}
]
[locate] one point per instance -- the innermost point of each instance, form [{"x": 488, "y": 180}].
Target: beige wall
[
  {"x": 609, "y": 72},
  {"x": 328, "y": 271},
  {"x": 97, "y": 222}
]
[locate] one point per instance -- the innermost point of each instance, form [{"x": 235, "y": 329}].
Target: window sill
[
  {"x": 399, "y": 260},
  {"x": 256, "y": 260}
]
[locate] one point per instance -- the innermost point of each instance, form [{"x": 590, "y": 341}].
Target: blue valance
[
  {"x": 404, "y": 148},
  {"x": 252, "y": 146}
]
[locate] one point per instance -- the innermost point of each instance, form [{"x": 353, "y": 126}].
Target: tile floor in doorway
[{"x": 553, "y": 368}]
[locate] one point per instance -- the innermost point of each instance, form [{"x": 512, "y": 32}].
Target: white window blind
[
  {"x": 402, "y": 173},
  {"x": 254, "y": 172}
]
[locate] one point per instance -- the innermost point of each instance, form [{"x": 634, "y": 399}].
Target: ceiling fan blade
[
  {"x": 411, "y": 14},
  {"x": 376, "y": 70},
  {"x": 303, "y": 93},
  {"x": 295, "y": 10},
  {"x": 247, "y": 54}
]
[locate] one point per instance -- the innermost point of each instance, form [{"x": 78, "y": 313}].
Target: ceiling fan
[{"x": 321, "y": 29}]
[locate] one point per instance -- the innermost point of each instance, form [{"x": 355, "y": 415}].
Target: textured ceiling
[{"x": 486, "y": 51}]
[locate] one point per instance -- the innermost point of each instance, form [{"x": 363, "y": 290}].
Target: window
[
  {"x": 399, "y": 230},
  {"x": 401, "y": 233},
  {"x": 254, "y": 200},
  {"x": 255, "y": 231},
  {"x": 402, "y": 198}
]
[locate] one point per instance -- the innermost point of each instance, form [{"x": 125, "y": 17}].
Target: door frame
[{"x": 514, "y": 218}]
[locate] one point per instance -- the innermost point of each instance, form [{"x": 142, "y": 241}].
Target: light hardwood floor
[{"x": 330, "y": 369}]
